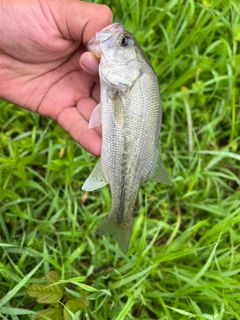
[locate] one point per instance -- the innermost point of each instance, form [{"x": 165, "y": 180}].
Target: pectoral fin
[
  {"x": 96, "y": 117},
  {"x": 117, "y": 108},
  {"x": 96, "y": 179},
  {"x": 159, "y": 173}
]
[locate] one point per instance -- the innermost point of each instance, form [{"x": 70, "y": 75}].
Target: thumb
[{"x": 82, "y": 20}]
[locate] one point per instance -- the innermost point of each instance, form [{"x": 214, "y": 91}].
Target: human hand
[{"x": 44, "y": 66}]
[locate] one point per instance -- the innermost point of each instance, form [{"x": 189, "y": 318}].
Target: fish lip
[
  {"x": 114, "y": 28},
  {"x": 106, "y": 34}
]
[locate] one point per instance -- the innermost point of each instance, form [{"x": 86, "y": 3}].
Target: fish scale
[{"x": 131, "y": 116}]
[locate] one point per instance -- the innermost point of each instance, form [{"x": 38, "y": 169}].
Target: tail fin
[{"x": 120, "y": 233}]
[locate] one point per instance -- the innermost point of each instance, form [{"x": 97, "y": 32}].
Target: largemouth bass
[{"x": 131, "y": 114}]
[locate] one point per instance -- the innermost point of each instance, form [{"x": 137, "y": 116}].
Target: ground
[{"x": 183, "y": 260}]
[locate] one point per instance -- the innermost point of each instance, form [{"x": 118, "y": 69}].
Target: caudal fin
[{"x": 121, "y": 234}]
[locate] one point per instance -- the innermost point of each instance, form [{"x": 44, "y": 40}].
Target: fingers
[
  {"x": 82, "y": 19},
  {"x": 89, "y": 63},
  {"x": 75, "y": 121},
  {"x": 91, "y": 141}
]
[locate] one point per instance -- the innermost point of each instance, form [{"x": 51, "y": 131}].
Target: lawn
[{"x": 184, "y": 255}]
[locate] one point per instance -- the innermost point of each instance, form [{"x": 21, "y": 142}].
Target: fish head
[{"x": 114, "y": 43}]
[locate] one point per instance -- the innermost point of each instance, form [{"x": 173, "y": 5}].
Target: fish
[{"x": 130, "y": 113}]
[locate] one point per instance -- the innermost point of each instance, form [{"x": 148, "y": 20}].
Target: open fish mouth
[{"x": 105, "y": 37}]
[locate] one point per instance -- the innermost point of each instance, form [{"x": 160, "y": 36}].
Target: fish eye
[{"x": 124, "y": 41}]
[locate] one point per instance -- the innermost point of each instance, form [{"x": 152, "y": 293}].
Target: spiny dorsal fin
[{"x": 159, "y": 173}]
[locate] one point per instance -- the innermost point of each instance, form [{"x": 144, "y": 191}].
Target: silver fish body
[{"x": 131, "y": 114}]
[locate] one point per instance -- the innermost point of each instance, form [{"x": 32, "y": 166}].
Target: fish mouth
[{"x": 104, "y": 37}]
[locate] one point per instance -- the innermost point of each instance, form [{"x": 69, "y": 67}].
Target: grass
[{"x": 184, "y": 254}]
